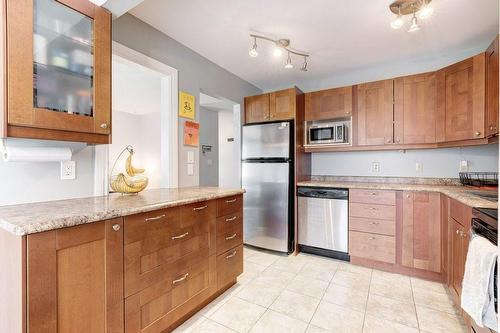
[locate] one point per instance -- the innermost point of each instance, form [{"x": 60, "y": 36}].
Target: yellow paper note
[{"x": 186, "y": 105}]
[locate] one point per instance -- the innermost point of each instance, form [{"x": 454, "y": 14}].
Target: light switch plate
[
  {"x": 190, "y": 169},
  {"x": 419, "y": 167},
  {"x": 68, "y": 170},
  {"x": 464, "y": 166},
  {"x": 190, "y": 157}
]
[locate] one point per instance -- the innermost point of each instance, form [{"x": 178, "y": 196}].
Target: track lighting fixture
[
  {"x": 289, "y": 64},
  {"x": 420, "y": 8},
  {"x": 253, "y": 51},
  {"x": 281, "y": 45}
]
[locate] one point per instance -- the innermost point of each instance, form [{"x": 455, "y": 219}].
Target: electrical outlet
[
  {"x": 419, "y": 167},
  {"x": 375, "y": 167},
  {"x": 464, "y": 166},
  {"x": 68, "y": 170}
]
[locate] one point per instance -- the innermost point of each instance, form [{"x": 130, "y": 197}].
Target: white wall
[
  {"x": 229, "y": 152},
  {"x": 436, "y": 162},
  {"x": 24, "y": 182},
  {"x": 209, "y": 161}
]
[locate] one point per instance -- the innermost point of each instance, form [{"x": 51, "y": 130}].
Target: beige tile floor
[{"x": 312, "y": 294}]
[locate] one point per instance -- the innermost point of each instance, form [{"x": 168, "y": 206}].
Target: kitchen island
[{"x": 140, "y": 263}]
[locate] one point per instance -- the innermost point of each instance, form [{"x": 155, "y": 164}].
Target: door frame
[{"x": 169, "y": 138}]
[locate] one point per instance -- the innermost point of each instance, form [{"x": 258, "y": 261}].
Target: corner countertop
[
  {"x": 25, "y": 219},
  {"x": 459, "y": 193}
]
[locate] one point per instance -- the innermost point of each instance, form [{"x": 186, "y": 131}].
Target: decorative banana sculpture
[{"x": 131, "y": 183}]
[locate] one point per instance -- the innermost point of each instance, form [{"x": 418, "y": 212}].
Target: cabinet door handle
[
  {"x": 493, "y": 128},
  {"x": 373, "y": 193},
  {"x": 373, "y": 223},
  {"x": 457, "y": 232},
  {"x": 154, "y": 218},
  {"x": 389, "y": 141},
  {"x": 104, "y": 125},
  {"x": 231, "y": 237},
  {"x": 229, "y": 256},
  {"x": 184, "y": 277},
  {"x": 231, "y": 219},
  {"x": 116, "y": 227},
  {"x": 371, "y": 238},
  {"x": 180, "y": 236},
  {"x": 231, "y": 201},
  {"x": 477, "y": 133},
  {"x": 200, "y": 208}
]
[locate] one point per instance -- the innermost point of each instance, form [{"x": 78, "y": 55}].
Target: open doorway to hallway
[{"x": 220, "y": 142}]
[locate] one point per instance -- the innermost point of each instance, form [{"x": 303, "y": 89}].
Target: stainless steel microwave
[{"x": 327, "y": 133}]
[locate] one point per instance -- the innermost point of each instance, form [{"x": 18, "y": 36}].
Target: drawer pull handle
[
  {"x": 200, "y": 208},
  {"x": 371, "y": 238},
  {"x": 231, "y": 201},
  {"x": 231, "y": 237},
  {"x": 229, "y": 256},
  {"x": 231, "y": 219},
  {"x": 180, "y": 236},
  {"x": 155, "y": 218},
  {"x": 184, "y": 277},
  {"x": 373, "y": 208},
  {"x": 373, "y": 193},
  {"x": 373, "y": 223}
]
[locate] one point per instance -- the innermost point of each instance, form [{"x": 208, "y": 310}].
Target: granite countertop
[
  {"x": 457, "y": 192},
  {"x": 31, "y": 218}
]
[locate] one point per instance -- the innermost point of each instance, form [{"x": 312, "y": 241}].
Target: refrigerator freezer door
[
  {"x": 266, "y": 140},
  {"x": 323, "y": 223},
  {"x": 266, "y": 205}
]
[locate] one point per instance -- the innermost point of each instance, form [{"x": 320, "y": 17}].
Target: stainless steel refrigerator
[{"x": 267, "y": 177}]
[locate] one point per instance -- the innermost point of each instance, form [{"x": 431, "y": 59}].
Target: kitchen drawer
[
  {"x": 372, "y": 246},
  {"x": 155, "y": 308},
  {"x": 372, "y": 196},
  {"x": 229, "y": 205},
  {"x": 229, "y": 232},
  {"x": 157, "y": 244},
  {"x": 229, "y": 266},
  {"x": 372, "y": 211},
  {"x": 198, "y": 211},
  {"x": 382, "y": 227}
]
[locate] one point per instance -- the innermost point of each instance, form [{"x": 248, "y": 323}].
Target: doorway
[
  {"x": 144, "y": 113},
  {"x": 220, "y": 142}
]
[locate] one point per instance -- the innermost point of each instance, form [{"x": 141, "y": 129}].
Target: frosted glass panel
[{"x": 63, "y": 58}]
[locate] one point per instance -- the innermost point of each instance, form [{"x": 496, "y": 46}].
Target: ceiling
[
  {"x": 215, "y": 104},
  {"x": 342, "y": 35}
]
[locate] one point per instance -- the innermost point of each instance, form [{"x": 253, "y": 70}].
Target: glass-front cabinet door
[{"x": 59, "y": 66}]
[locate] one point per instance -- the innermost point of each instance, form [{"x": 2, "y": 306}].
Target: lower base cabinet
[{"x": 142, "y": 273}]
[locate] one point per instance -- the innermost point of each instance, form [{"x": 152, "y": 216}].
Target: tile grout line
[
  {"x": 366, "y": 304},
  {"x": 414, "y": 304}
]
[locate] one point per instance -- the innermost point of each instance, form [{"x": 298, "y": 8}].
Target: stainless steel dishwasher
[{"x": 323, "y": 221}]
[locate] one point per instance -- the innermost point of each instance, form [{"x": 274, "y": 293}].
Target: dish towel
[{"x": 477, "y": 286}]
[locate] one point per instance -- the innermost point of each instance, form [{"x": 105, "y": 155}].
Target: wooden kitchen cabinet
[
  {"x": 329, "y": 104},
  {"x": 421, "y": 232},
  {"x": 75, "y": 279},
  {"x": 492, "y": 89},
  {"x": 257, "y": 108},
  {"x": 461, "y": 100},
  {"x": 282, "y": 105},
  {"x": 415, "y": 109},
  {"x": 58, "y": 64},
  {"x": 375, "y": 113}
]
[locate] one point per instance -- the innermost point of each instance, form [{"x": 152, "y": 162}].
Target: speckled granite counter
[
  {"x": 459, "y": 193},
  {"x": 37, "y": 217}
]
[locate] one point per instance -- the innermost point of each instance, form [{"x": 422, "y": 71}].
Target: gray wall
[
  {"x": 196, "y": 74},
  {"x": 443, "y": 162},
  {"x": 209, "y": 135},
  {"x": 24, "y": 182}
]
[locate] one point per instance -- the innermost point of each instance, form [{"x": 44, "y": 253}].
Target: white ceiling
[{"x": 342, "y": 35}]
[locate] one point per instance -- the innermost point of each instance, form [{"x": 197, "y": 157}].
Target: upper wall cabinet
[
  {"x": 461, "y": 100},
  {"x": 58, "y": 70},
  {"x": 492, "y": 89},
  {"x": 275, "y": 106},
  {"x": 329, "y": 104},
  {"x": 415, "y": 109},
  {"x": 375, "y": 113},
  {"x": 257, "y": 108},
  {"x": 282, "y": 104}
]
